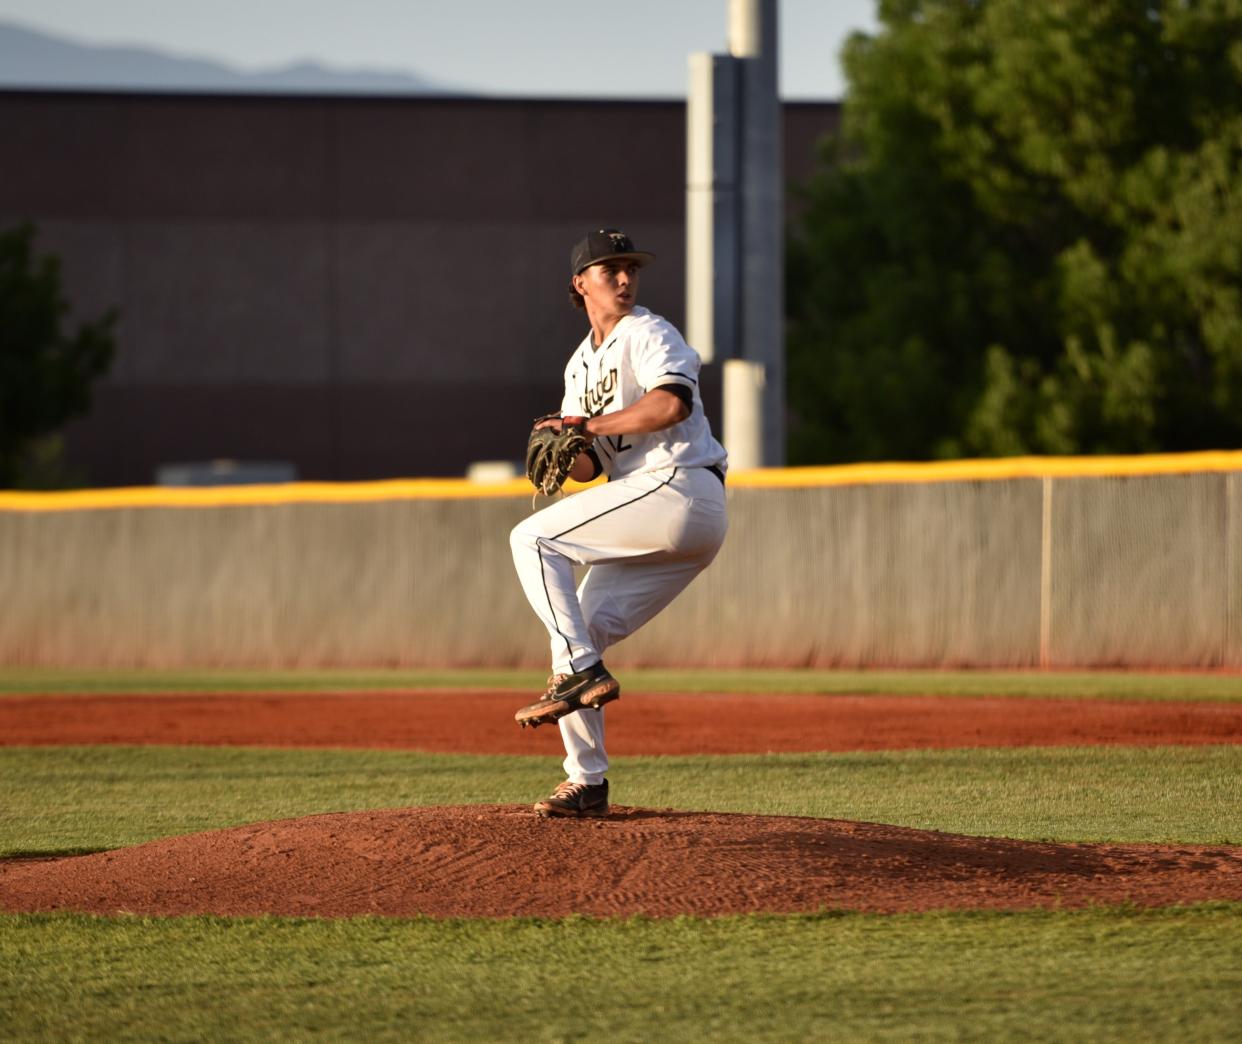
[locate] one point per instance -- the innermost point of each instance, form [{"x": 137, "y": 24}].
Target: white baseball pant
[{"x": 645, "y": 537}]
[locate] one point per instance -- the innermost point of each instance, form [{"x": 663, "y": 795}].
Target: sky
[{"x": 534, "y": 48}]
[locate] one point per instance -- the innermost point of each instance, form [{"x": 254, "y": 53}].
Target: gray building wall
[{"x": 339, "y": 282}]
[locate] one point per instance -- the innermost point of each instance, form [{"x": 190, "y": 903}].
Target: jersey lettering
[{"x": 596, "y": 399}]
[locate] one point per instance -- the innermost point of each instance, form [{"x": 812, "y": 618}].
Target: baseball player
[{"x": 632, "y": 395}]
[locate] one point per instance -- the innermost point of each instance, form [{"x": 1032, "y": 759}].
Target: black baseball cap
[{"x": 603, "y": 245}]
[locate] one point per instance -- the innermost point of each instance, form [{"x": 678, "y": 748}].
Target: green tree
[
  {"x": 1027, "y": 237},
  {"x": 45, "y": 371}
]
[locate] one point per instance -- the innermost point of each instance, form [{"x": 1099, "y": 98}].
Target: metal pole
[
  {"x": 753, "y": 38},
  {"x": 712, "y": 207},
  {"x": 744, "y": 383}
]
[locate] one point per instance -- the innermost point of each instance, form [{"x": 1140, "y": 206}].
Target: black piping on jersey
[
  {"x": 683, "y": 376},
  {"x": 601, "y": 443},
  {"x": 684, "y": 395}
]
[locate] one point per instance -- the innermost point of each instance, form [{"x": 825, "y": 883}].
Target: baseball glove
[{"x": 550, "y": 454}]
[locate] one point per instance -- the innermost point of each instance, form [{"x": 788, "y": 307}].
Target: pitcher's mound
[{"x": 501, "y": 861}]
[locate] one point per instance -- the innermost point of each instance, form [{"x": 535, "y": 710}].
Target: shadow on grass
[{"x": 38, "y": 855}]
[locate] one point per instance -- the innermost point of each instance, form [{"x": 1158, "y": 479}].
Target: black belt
[{"x": 717, "y": 472}]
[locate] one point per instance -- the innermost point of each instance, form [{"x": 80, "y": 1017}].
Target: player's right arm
[{"x": 655, "y": 411}]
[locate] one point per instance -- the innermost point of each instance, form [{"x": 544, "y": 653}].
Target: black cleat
[
  {"x": 571, "y": 692},
  {"x": 575, "y": 801}
]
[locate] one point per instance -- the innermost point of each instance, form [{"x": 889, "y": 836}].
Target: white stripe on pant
[{"x": 645, "y": 537}]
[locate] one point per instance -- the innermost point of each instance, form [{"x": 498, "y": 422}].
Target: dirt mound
[
  {"x": 501, "y": 861},
  {"x": 640, "y": 723}
]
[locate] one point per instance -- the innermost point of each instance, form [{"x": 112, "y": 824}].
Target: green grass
[
  {"x": 1098, "y": 975},
  {"x": 1095, "y": 975},
  {"x": 65, "y": 799},
  {"x": 1076, "y": 684}
]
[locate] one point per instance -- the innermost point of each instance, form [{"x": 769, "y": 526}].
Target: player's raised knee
[{"x": 523, "y": 537}]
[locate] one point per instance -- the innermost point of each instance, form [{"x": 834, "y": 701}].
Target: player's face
[{"x": 610, "y": 285}]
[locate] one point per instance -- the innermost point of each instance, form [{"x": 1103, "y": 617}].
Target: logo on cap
[{"x": 604, "y": 243}]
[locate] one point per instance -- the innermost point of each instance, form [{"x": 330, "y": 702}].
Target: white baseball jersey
[
  {"x": 644, "y": 351},
  {"x": 646, "y": 533}
]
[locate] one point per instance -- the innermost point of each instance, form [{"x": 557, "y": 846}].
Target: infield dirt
[
  {"x": 501, "y": 861},
  {"x": 465, "y": 722}
]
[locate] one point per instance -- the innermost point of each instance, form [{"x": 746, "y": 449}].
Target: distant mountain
[{"x": 34, "y": 59}]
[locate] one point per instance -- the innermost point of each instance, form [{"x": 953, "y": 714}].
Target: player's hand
[
  {"x": 559, "y": 424},
  {"x": 580, "y": 423}
]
